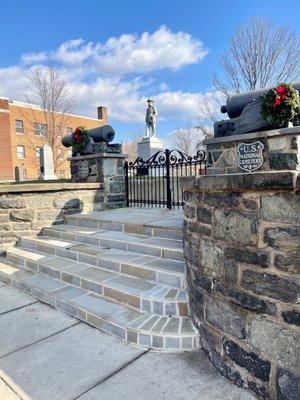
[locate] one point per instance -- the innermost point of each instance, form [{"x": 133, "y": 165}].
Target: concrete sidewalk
[{"x": 47, "y": 355}]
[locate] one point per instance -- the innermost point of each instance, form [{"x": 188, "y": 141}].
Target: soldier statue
[{"x": 151, "y": 115}]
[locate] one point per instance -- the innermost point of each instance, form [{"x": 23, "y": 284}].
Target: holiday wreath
[
  {"x": 280, "y": 105},
  {"x": 80, "y": 138}
]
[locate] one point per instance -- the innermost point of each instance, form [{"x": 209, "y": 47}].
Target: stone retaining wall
[
  {"x": 241, "y": 245},
  {"x": 26, "y": 208}
]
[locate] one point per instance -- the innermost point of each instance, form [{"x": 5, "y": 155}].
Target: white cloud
[
  {"x": 181, "y": 105},
  {"x": 13, "y": 82},
  {"x": 33, "y": 58},
  {"x": 149, "y": 52},
  {"x": 129, "y": 54},
  {"x": 74, "y": 51},
  {"x": 163, "y": 87},
  {"x": 126, "y": 100},
  {"x": 114, "y": 74}
]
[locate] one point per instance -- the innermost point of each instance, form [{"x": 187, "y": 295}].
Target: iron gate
[{"x": 156, "y": 181}]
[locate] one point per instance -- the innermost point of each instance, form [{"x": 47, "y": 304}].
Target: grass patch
[{"x": 37, "y": 182}]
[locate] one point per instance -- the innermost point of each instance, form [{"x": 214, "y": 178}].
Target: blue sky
[{"x": 161, "y": 48}]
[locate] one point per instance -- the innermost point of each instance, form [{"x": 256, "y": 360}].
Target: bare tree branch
[
  {"x": 187, "y": 139},
  {"x": 209, "y": 112},
  {"x": 50, "y": 92},
  {"x": 130, "y": 147},
  {"x": 259, "y": 54}
]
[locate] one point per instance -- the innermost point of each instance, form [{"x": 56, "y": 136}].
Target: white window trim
[
  {"x": 19, "y": 133},
  {"x": 21, "y": 158}
]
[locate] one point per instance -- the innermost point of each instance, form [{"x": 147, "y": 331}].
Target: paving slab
[
  {"x": 43, "y": 282},
  {"x": 76, "y": 229},
  {"x": 175, "y": 222},
  {"x": 129, "y": 285},
  {"x": 136, "y": 215},
  {"x": 186, "y": 376},
  {"x": 163, "y": 242},
  {"x": 111, "y": 311},
  {"x": 30, "y": 324},
  {"x": 50, "y": 240},
  {"x": 67, "y": 364},
  {"x": 11, "y": 298}
]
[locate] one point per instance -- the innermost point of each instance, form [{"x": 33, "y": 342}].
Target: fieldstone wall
[
  {"x": 242, "y": 250},
  {"x": 281, "y": 151},
  {"x": 26, "y": 208}
]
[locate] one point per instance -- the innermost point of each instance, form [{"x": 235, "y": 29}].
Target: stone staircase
[{"x": 121, "y": 271}]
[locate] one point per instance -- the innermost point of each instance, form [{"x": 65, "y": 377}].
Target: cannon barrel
[
  {"x": 101, "y": 134},
  {"x": 236, "y": 104}
]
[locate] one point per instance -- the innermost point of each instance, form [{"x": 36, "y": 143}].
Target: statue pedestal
[
  {"x": 274, "y": 150},
  {"x": 148, "y": 146}
]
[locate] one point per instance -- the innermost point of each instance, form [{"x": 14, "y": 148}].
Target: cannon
[
  {"x": 99, "y": 139},
  {"x": 244, "y": 114}
]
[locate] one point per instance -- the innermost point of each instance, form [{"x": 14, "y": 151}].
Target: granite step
[
  {"x": 170, "y": 273},
  {"x": 134, "y": 292},
  {"x": 141, "y": 328},
  {"x": 166, "y": 228},
  {"x": 153, "y": 246}
]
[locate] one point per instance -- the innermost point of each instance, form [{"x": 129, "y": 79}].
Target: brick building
[{"x": 21, "y": 136}]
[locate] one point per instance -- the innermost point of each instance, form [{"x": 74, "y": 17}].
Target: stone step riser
[
  {"x": 140, "y": 248},
  {"x": 125, "y": 227},
  {"x": 136, "y": 336},
  {"x": 142, "y": 302},
  {"x": 169, "y": 279}
]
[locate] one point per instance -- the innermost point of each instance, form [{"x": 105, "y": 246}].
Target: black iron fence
[{"x": 156, "y": 181}]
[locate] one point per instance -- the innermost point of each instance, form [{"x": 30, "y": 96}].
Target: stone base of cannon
[
  {"x": 105, "y": 168},
  {"x": 272, "y": 150},
  {"x": 97, "y": 167}
]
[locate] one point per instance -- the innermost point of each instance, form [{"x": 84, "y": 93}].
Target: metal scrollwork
[
  {"x": 174, "y": 157},
  {"x": 156, "y": 181}
]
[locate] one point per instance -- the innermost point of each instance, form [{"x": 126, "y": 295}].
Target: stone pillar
[
  {"x": 241, "y": 246},
  {"x": 105, "y": 168}
]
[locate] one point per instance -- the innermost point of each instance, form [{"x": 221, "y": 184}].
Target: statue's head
[{"x": 150, "y": 102}]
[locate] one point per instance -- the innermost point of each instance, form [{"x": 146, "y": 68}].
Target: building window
[
  {"x": 24, "y": 173},
  {"x": 61, "y": 174},
  {"x": 19, "y": 126},
  {"x": 37, "y": 153},
  {"x": 21, "y": 152},
  {"x": 58, "y": 131},
  {"x": 40, "y": 129},
  {"x": 69, "y": 130}
]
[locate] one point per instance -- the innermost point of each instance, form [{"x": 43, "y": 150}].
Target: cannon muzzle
[
  {"x": 236, "y": 104},
  {"x": 102, "y": 134}
]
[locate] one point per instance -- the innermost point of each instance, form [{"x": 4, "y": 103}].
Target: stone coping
[
  {"x": 295, "y": 130},
  {"x": 283, "y": 180},
  {"x": 48, "y": 187},
  {"x": 98, "y": 155}
]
